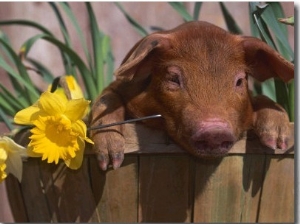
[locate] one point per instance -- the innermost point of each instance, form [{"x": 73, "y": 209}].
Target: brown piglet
[{"x": 195, "y": 76}]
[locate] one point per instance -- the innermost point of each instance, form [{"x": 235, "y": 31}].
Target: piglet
[{"x": 195, "y": 76}]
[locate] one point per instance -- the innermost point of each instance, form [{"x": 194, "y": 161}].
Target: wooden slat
[
  {"x": 116, "y": 191},
  {"x": 227, "y": 189},
  {"x": 14, "y": 202},
  {"x": 68, "y": 192},
  {"x": 34, "y": 198},
  {"x": 277, "y": 200},
  {"x": 164, "y": 189}
]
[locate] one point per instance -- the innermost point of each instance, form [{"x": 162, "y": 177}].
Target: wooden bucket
[{"x": 158, "y": 182}]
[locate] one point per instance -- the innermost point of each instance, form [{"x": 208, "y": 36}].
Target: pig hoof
[
  {"x": 271, "y": 123},
  {"x": 117, "y": 159},
  {"x": 109, "y": 149},
  {"x": 273, "y": 135},
  {"x": 103, "y": 160},
  {"x": 274, "y": 142}
]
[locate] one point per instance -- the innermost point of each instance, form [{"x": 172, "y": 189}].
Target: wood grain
[
  {"x": 278, "y": 198},
  {"x": 68, "y": 192},
  {"x": 33, "y": 192},
  {"x": 116, "y": 191},
  {"x": 225, "y": 191},
  {"x": 164, "y": 189}
]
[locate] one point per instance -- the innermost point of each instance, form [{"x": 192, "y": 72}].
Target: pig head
[{"x": 195, "y": 76}]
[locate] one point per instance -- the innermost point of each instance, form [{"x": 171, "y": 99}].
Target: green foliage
[
  {"x": 265, "y": 25},
  {"x": 96, "y": 73}
]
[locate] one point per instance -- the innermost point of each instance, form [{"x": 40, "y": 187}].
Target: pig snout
[{"x": 213, "y": 139}]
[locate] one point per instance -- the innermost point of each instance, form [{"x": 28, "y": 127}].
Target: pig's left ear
[{"x": 265, "y": 62}]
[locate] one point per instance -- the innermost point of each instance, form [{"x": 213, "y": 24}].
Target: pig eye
[
  {"x": 174, "y": 79},
  {"x": 173, "y": 82},
  {"x": 239, "y": 82}
]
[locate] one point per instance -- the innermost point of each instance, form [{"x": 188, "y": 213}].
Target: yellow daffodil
[
  {"x": 11, "y": 158},
  {"x": 76, "y": 92},
  {"x": 58, "y": 132},
  {"x": 74, "y": 88}
]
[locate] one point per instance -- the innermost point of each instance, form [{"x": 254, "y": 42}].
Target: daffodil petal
[
  {"x": 76, "y": 109},
  {"x": 60, "y": 91},
  {"x": 11, "y": 155},
  {"x": 80, "y": 128},
  {"x": 31, "y": 153},
  {"x": 13, "y": 147},
  {"x": 3, "y": 154},
  {"x": 27, "y": 115},
  {"x": 52, "y": 104},
  {"x": 3, "y": 174},
  {"x": 89, "y": 140},
  {"x": 14, "y": 165},
  {"x": 75, "y": 90},
  {"x": 75, "y": 163}
]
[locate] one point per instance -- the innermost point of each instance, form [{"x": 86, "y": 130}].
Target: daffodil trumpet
[{"x": 125, "y": 122}]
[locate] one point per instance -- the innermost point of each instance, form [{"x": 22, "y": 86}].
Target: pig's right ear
[
  {"x": 265, "y": 62},
  {"x": 138, "y": 56}
]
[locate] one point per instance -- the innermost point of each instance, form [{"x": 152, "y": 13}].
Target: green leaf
[
  {"x": 3, "y": 50},
  {"x": 26, "y": 23},
  {"x": 230, "y": 22},
  {"x": 15, "y": 102},
  {"x": 110, "y": 68},
  {"x": 4, "y": 118},
  {"x": 65, "y": 6},
  {"x": 268, "y": 89},
  {"x": 282, "y": 94},
  {"x": 26, "y": 46},
  {"x": 180, "y": 8},
  {"x": 265, "y": 17},
  {"x": 97, "y": 37},
  {"x": 253, "y": 26},
  {"x": 39, "y": 27},
  {"x": 140, "y": 29},
  {"x": 23, "y": 78},
  {"x": 197, "y": 9},
  {"x": 76, "y": 60},
  {"x": 44, "y": 72},
  {"x": 270, "y": 19},
  {"x": 108, "y": 60},
  {"x": 261, "y": 26},
  {"x": 6, "y": 107},
  {"x": 287, "y": 21},
  {"x": 68, "y": 64}
]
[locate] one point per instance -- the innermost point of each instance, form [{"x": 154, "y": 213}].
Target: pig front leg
[
  {"x": 109, "y": 142},
  {"x": 271, "y": 123}
]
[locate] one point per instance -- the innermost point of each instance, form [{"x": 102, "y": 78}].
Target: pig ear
[
  {"x": 138, "y": 53},
  {"x": 265, "y": 62}
]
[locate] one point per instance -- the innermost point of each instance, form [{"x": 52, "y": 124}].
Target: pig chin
[{"x": 201, "y": 149}]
